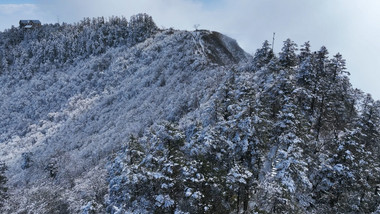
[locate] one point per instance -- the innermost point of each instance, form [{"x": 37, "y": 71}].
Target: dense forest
[{"x": 119, "y": 116}]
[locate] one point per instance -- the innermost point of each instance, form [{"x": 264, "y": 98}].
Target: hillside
[{"x": 120, "y": 116}]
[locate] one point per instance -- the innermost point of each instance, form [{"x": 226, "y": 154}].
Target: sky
[{"x": 350, "y": 27}]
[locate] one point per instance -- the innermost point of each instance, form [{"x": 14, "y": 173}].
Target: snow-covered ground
[
  {"x": 74, "y": 117},
  {"x": 119, "y": 116}
]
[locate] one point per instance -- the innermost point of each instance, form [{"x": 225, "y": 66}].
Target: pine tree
[
  {"x": 140, "y": 26},
  {"x": 288, "y": 56},
  {"x": 262, "y": 56},
  {"x": 3, "y": 184},
  {"x": 290, "y": 168},
  {"x": 305, "y": 51},
  {"x": 339, "y": 95},
  {"x": 321, "y": 84},
  {"x": 305, "y": 71}
]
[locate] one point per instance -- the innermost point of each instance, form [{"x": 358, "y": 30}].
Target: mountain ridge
[
  {"x": 119, "y": 116},
  {"x": 93, "y": 90}
]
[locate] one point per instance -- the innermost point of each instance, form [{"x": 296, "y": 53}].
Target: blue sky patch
[
  {"x": 17, "y": 1},
  {"x": 211, "y": 3}
]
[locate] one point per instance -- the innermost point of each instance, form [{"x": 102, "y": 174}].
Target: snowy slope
[
  {"x": 120, "y": 116},
  {"x": 74, "y": 117}
]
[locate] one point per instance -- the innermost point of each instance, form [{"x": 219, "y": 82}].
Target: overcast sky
[{"x": 351, "y": 27}]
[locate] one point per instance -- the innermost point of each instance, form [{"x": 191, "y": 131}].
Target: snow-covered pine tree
[
  {"x": 288, "y": 57},
  {"x": 305, "y": 71},
  {"x": 262, "y": 56},
  {"x": 290, "y": 166},
  {"x": 140, "y": 26},
  {"x": 3, "y": 185}
]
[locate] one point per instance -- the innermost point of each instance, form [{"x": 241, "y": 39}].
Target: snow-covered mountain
[{"x": 120, "y": 116}]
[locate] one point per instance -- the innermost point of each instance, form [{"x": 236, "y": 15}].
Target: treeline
[{"x": 31, "y": 50}]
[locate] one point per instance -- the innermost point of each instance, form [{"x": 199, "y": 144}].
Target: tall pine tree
[{"x": 3, "y": 187}]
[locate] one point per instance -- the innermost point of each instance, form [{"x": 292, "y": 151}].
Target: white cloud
[
  {"x": 10, "y": 14},
  {"x": 10, "y": 9}
]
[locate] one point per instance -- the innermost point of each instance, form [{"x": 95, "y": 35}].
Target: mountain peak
[{"x": 220, "y": 49}]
